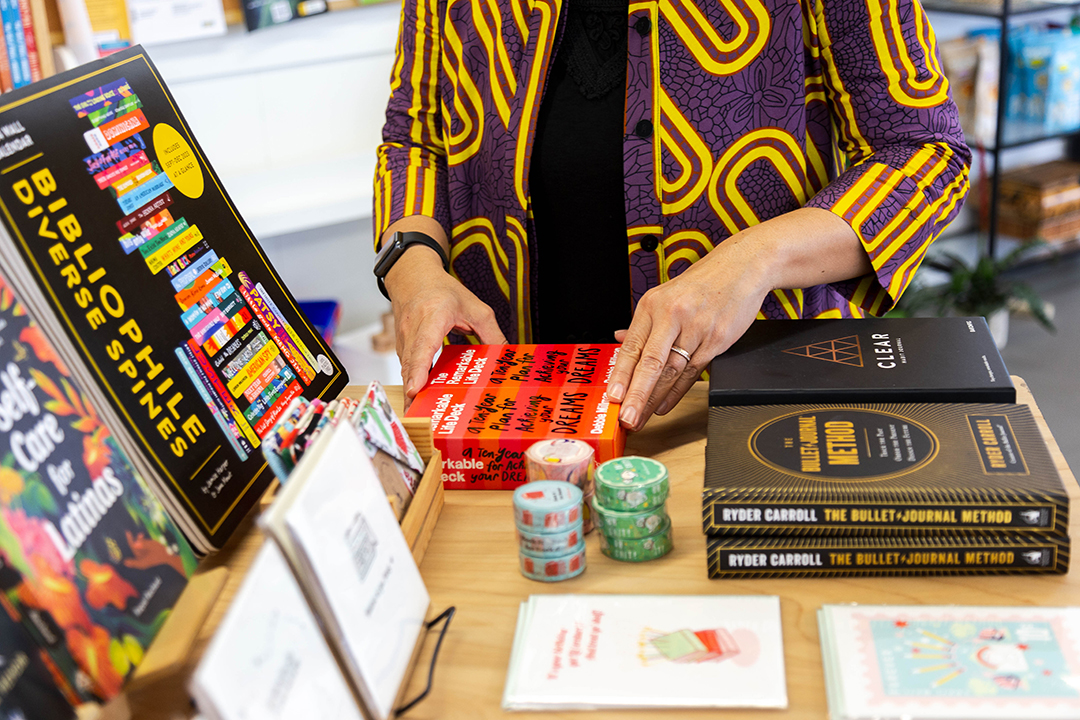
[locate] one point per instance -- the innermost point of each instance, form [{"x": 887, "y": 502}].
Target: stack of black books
[{"x": 876, "y": 447}]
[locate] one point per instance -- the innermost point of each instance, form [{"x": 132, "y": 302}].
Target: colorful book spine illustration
[
  {"x": 220, "y": 412},
  {"x": 94, "y": 547},
  {"x": 223, "y": 394},
  {"x": 273, "y": 321}
]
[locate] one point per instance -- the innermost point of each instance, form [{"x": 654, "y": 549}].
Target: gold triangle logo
[{"x": 845, "y": 350}]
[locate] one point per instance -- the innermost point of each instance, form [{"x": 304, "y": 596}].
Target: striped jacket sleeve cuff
[{"x": 897, "y": 201}]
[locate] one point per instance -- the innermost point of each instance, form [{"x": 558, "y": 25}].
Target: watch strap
[{"x": 400, "y": 242}]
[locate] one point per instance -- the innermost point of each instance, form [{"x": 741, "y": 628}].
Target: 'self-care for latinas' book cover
[
  {"x": 489, "y": 403},
  {"x": 123, "y": 241},
  {"x": 95, "y": 549},
  {"x": 943, "y": 554},
  {"x": 72, "y": 683},
  {"x": 888, "y": 469},
  {"x": 862, "y": 360},
  {"x": 27, "y": 687}
]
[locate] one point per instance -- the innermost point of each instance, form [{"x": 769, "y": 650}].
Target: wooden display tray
[
  {"x": 472, "y": 564},
  {"x": 173, "y": 655}
]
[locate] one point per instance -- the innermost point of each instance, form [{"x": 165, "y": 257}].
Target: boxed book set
[{"x": 489, "y": 403}]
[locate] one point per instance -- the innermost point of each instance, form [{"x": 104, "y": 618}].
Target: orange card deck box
[{"x": 489, "y": 403}]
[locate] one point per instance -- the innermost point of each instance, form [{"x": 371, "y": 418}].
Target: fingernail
[
  {"x": 615, "y": 392},
  {"x": 664, "y": 407},
  {"x": 629, "y": 416},
  {"x": 409, "y": 390}
]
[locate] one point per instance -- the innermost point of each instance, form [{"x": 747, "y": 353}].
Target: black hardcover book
[
  {"x": 868, "y": 360},
  {"x": 122, "y": 241},
  {"x": 989, "y": 554},
  {"x": 27, "y": 688},
  {"x": 883, "y": 469}
]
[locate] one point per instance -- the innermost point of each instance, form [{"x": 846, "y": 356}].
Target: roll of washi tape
[
  {"x": 631, "y": 483},
  {"x": 564, "y": 459},
  {"x": 547, "y": 506},
  {"x": 553, "y": 569},
  {"x": 638, "y": 549},
  {"x": 550, "y": 544},
  {"x": 623, "y": 524}
]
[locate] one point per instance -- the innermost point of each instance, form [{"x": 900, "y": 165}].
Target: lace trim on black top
[{"x": 595, "y": 45}]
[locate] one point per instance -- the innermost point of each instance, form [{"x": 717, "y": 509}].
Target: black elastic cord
[{"x": 447, "y": 615}]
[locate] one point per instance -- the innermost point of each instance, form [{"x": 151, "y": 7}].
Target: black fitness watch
[{"x": 396, "y": 246}]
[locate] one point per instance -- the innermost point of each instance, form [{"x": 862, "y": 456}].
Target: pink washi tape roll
[{"x": 565, "y": 459}]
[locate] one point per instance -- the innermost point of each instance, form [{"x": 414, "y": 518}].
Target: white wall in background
[{"x": 290, "y": 117}]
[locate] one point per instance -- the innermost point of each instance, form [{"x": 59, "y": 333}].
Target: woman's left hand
[
  {"x": 707, "y": 308},
  {"x": 701, "y": 312}
]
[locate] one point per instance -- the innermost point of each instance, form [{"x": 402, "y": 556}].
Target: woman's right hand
[{"x": 428, "y": 304}]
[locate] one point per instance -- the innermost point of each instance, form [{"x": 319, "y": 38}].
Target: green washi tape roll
[
  {"x": 631, "y": 483},
  {"x": 638, "y": 549},
  {"x": 623, "y": 524}
]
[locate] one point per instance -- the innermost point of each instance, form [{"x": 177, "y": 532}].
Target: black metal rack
[{"x": 1007, "y": 11}]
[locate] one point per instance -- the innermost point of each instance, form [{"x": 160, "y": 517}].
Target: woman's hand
[
  {"x": 703, "y": 311},
  {"x": 709, "y": 307},
  {"x": 428, "y": 304}
]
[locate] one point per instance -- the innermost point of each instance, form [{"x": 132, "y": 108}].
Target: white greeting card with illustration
[
  {"x": 597, "y": 651},
  {"x": 983, "y": 663}
]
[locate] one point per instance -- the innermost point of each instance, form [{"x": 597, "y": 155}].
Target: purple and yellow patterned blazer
[{"x": 759, "y": 107}]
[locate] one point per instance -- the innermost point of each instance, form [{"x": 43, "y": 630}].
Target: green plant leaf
[{"x": 1036, "y": 304}]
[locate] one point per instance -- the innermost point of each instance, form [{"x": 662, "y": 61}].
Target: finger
[
  {"x": 689, "y": 376},
  {"x": 650, "y": 365},
  {"x": 421, "y": 352},
  {"x": 620, "y": 335},
  {"x": 671, "y": 373},
  {"x": 633, "y": 341}
]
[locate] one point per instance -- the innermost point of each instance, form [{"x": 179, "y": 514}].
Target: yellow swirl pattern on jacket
[
  {"x": 905, "y": 87},
  {"x": 714, "y": 54},
  {"x": 479, "y": 232},
  {"x": 689, "y": 151},
  {"x": 775, "y": 146},
  {"x": 468, "y": 107},
  {"x": 488, "y": 22}
]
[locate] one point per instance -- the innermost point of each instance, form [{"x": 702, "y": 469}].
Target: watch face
[{"x": 384, "y": 260}]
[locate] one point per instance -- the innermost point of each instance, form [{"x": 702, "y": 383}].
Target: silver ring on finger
[{"x": 679, "y": 351}]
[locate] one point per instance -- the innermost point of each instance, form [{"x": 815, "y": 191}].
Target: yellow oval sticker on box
[{"x": 178, "y": 160}]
